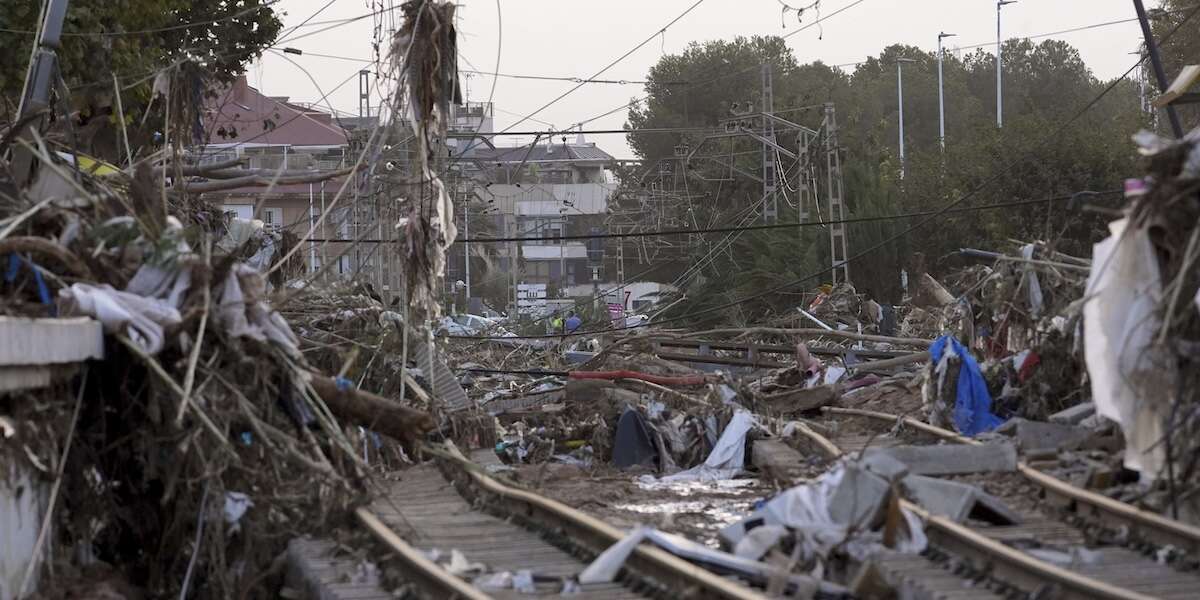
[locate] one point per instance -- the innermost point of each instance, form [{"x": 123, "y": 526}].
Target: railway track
[
  {"x": 441, "y": 508},
  {"x": 1146, "y": 530},
  {"x": 987, "y": 556},
  {"x": 455, "y": 505}
]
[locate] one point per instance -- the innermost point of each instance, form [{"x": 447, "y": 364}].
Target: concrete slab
[
  {"x": 860, "y": 498},
  {"x": 953, "y": 459},
  {"x": 1032, "y": 436},
  {"x": 314, "y": 571},
  {"x": 1073, "y": 415},
  {"x": 958, "y": 501},
  {"x": 884, "y": 466},
  {"x": 776, "y": 460},
  {"x": 26, "y": 341}
]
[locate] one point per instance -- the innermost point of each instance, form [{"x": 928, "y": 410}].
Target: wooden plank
[
  {"x": 723, "y": 360},
  {"x": 772, "y": 348}
]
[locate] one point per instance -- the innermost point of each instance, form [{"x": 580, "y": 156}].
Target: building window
[
  {"x": 239, "y": 211},
  {"x": 537, "y": 270},
  {"x": 272, "y": 218}
]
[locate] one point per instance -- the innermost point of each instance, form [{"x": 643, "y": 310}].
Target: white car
[
  {"x": 469, "y": 325},
  {"x": 636, "y": 320}
]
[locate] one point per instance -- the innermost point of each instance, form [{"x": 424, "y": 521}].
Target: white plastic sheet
[
  {"x": 1032, "y": 285},
  {"x": 728, "y": 456},
  {"x": 606, "y": 566},
  {"x": 806, "y": 511},
  {"x": 1130, "y": 376},
  {"x": 141, "y": 319},
  {"x": 242, "y": 312}
]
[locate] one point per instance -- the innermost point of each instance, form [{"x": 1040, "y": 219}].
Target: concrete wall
[
  {"x": 638, "y": 291},
  {"x": 22, "y": 507},
  {"x": 546, "y": 199}
]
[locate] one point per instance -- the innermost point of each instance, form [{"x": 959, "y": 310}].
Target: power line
[
  {"x": 603, "y": 70},
  {"x": 476, "y": 71},
  {"x": 292, "y": 30},
  {"x": 967, "y": 196},
  {"x": 825, "y": 18},
  {"x": 688, "y": 231}
]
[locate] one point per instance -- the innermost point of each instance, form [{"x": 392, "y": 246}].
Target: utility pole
[
  {"x": 467, "y": 247},
  {"x": 1156, "y": 63},
  {"x": 999, "y": 92},
  {"x": 900, "y": 92},
  {"x": 43, "y": 69},
  {"x": 837, "y": 210},
  {"x": 770, "y": 180},
  {"x": 941, "y": 100}
]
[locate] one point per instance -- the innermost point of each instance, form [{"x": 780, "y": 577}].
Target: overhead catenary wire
[
  {"x": 475, "y": 71},
  {"x": 875, "y": 247},
  {"x": 598, "y": 73},
  {"x": 768, "y": 227}
]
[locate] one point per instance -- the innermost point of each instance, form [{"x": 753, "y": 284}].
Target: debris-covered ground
[{"x": 183, "y": 392}]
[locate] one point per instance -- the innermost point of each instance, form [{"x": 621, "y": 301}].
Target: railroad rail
[
  {"x": 1011, "y": 568},
  {"x": 1148, "y": 526},
  {"x": 432, "y": 509}
]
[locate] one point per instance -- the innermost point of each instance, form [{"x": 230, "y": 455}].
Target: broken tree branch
[
  {"x": 406, "y": 424},
  {"x": 203, "y": 170},
  {"x": 257, "y": 180},
  {"x": 46, "y": 248},
  {"x": 812, "y": 333},
  {"x": 189, "y": 379},
  {"x": 891, "y": 363},
  {"x": 158, "y": 370}
]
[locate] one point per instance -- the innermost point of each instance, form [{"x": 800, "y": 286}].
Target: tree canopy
[
  {"x": 134, "y": 39},
  {"x": 1054, "y": 143}
]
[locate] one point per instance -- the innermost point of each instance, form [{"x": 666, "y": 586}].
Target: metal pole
[
  {"x": 999, "y": 67},
  {"x": 43, "y": 68},
  {"x": 1156, "y": 62},
  {"x": 312, "y": 218},
  {"x": 900, "y": 93},
  {"x": 941, "y": 101},
  {"x": 467, "y": 248}
]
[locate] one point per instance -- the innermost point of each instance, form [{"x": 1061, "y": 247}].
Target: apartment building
[
  {"x": 271, "y": 132},
  {"x": 540, "y": 192}
]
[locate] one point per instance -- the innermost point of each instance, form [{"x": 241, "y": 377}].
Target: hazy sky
[{"x": 576, "y": 38}]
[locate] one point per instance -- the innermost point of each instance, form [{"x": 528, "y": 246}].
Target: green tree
[
  {"x": 134, "y": 39},
  {"x": 1033, "y": 156}
]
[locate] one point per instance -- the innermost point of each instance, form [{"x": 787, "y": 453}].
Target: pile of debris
[
  {"x": 204, "y": 438},
  {"x": 1141, "y": 318}
]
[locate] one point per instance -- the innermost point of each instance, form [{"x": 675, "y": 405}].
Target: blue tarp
[{"x": 973, "y": 403}]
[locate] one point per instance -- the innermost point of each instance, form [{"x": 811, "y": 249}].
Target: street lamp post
[
  {"x": 900, "y": 93},
  {"x": 941, "y": 103},
  {"x": 999, "y": 93}
]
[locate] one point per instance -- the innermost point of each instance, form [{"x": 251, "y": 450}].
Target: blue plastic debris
[
  {"x": 14, "y": 266},
  {"x": 972, "y": 404}
]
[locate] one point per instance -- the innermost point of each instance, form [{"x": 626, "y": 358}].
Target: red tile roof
[{"x": 247, "y": 116}]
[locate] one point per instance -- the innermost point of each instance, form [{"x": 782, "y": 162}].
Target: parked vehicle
[{"x": 469, "y": 325}]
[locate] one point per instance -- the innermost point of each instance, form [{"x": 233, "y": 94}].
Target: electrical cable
[
  {"x": 735, "y": 229},
  {"x": 824, "y": 18},
  {"x": 596, "y": 74},
  {"x": 967, "y": 196},
  {"x": 292, "y": 30},
  {"x": 475, "y": 71}
]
